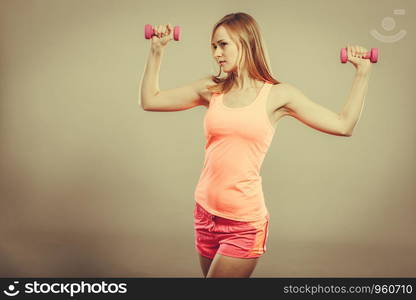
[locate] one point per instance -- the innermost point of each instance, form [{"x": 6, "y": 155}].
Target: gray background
[{"x": 92, "y": 185}]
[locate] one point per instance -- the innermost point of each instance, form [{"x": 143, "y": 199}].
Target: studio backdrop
[{"x": 93, "y": 185}]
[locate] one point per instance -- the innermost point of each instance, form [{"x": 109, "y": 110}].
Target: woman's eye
[{"x": 222, "y": 44}]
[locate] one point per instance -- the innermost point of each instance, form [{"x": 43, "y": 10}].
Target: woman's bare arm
[
  {"x": 299, "y": 106},
  {"x": 321, "y": 118},
  {"x": 150, "y": 80},
  {"x": 180, "y": 98},
  {"x": 352, "y": 110}
]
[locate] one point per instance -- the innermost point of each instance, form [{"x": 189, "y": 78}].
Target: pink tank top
[{"x": 237, "y": 140}]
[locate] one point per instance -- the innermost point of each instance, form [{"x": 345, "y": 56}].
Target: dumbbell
[
  {"x": 372, "y": 55},
  {"x": 149, "y": 31}
]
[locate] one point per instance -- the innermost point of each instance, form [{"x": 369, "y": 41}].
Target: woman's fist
[
  {"x": 162, "y": 35},
  {"x": 355, "y": 54}
]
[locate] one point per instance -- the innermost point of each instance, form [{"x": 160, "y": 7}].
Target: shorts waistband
[{"x": 207, "y": 214}]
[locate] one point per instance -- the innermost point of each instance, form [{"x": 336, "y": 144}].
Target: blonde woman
[{"x": 230, "y": 217}]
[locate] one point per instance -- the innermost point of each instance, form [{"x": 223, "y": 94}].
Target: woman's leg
[
  {"x": 205, "y": 263},
  {"x": 227, "y": 266}
]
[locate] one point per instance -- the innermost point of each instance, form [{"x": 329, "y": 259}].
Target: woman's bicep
[{"x": 176, "y": 99}]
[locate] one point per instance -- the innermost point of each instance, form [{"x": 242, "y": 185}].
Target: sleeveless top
[{"x": 237, "y": 140}]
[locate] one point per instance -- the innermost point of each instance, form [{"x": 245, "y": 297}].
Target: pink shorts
[{"x": 240, "y": 239}]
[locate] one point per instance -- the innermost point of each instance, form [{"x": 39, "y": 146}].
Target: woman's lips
[{"x": 222, "y": 63}]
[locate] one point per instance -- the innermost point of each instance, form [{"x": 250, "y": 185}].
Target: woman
[{"x": 230, "y": 217}]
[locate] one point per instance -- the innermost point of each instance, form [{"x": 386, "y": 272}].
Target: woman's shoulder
[
  {"x": 281, "y": 93},
  {"x": 281, "y": 87}
]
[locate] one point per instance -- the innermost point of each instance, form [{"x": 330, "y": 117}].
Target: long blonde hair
[{"x": 242, "y": 27}]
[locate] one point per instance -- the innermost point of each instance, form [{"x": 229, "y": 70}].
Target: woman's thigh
[
  {"x": 227, "y": 266},
  {"x": 205, "y": 263}
]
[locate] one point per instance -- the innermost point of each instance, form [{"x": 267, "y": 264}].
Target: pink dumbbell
[
  {"x": 372, "y": 55},
  {"x": 149, "y": 31}
]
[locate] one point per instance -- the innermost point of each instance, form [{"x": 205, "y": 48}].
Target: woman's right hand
[{"x": 163, "y": 34}]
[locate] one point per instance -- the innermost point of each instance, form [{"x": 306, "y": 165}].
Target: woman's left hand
[{"x": 355, "y": 54}]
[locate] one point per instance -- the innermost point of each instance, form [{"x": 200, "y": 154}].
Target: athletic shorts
[{"x": 214, "y": 234}]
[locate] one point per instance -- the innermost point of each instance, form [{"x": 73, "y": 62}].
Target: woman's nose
[{"x": 217, "y": 52}]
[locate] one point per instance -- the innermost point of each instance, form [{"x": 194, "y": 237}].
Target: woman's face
[{"x": 224, "y": 48}]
